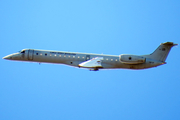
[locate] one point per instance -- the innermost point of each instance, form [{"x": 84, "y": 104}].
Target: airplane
[{"x": 94, "y": 62}]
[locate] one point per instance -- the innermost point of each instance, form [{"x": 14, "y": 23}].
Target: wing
[{"x": 92, "y": 63}]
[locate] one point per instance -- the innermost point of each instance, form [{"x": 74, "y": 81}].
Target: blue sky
[{"x": 50, "y": 92}]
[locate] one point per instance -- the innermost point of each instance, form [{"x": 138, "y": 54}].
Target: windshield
[{"x": 23, "y": 51}]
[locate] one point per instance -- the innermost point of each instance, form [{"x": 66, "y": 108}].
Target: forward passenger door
[{"x": 30, "y": 54}]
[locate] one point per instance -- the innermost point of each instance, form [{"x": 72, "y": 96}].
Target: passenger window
[
  {"x": 36, "y": 53},
  {"x": 45, "y": 54}
]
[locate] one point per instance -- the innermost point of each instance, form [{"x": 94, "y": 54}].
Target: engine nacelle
[{"x": 132, "y": 59}]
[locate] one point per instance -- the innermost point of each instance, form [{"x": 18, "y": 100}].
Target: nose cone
[
  {"x": 8, "y": 57},
  {"x": 15, "y": 56}
]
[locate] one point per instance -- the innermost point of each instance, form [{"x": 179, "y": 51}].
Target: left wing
[{"x": 92, "y": 63}]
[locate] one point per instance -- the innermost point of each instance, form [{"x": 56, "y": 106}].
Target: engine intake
[{"x": 132, "y": 59}]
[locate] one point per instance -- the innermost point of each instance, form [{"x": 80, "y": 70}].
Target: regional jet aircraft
[{"x": 95, "y": 62}]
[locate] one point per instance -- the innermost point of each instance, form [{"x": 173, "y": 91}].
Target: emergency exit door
[{"x": 30, "y": 54}]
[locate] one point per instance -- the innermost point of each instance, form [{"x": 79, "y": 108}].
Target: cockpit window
[{"x": 23, "y": 51}]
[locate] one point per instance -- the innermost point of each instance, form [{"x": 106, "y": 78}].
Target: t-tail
[{"x": 161, "y": 52}]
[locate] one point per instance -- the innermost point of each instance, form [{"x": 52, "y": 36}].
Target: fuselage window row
[{"x": 73, "y": 56}]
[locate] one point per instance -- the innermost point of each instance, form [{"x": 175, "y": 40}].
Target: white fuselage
[{"x": 75, "y": 58}]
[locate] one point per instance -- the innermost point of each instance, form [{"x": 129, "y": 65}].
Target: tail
[{"x": 161, "y": 52}]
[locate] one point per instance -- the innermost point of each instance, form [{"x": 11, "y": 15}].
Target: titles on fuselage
[{"x": 63, "y": 53}]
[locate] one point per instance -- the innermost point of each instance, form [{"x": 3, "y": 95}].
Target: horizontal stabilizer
[{"x": 92, "y": 63}]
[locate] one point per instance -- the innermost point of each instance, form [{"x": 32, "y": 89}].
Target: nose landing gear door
[{"x": 30, "y": 54}]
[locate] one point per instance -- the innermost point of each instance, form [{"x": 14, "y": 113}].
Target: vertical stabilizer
[{"x": 162, "y": 51}]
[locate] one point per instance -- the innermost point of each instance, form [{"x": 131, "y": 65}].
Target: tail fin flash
[{"x": 162, "y": 51}]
